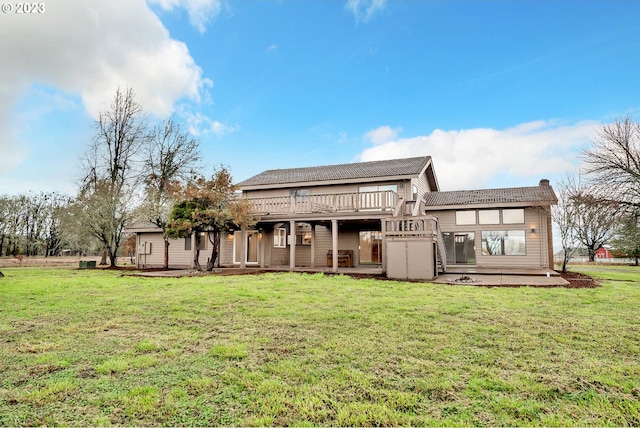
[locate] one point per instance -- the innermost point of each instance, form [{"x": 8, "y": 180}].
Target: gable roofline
[
  {"x": 535, "y": 196},
  {"x": 356, "y": 172}
]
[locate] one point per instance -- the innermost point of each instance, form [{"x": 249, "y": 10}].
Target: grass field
[{"x": 96, "y": 347}]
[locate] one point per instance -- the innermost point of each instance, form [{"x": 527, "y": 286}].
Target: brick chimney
[{"x": 544, "y": 182}]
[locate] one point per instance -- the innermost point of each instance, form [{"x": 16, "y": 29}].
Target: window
[
  {"x": 460, "y": 247},
  {"x": 301, "y": 199},
  {"x": 489, "y": 216},
  {"x": 503, "y": 243},
  {"x": 392, "y": 187},
  {"x": 515, "y": 216},
  {"x": 414, "y": 192},
  {"x": 300, "y": 192},
  {"x": 303, "y": 238},
  {"x": 187, "y": 243},
  {"x": 465, "y": 217},
  {"x": 280, "y": 237}
]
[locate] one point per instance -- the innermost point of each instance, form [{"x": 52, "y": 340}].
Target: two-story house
[{"x": 383, "y": 215}]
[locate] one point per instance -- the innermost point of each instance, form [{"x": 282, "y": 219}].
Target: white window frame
[
  {"x": 513, "y": 211},
  {"x": 459, "y": 219},
  {"x": 484, "y": 217},
  {"x": 280, "y": 238}
]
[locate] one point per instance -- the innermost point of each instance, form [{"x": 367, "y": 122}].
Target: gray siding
[
  {"x": 536, "y": 243},
  {"x": 178, "y": 257},
  {"x": 347, "y": 240},
  {"x": 422, "y": 183}
]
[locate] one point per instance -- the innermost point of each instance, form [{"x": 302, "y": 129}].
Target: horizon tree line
[{"x": 135, "y": 172}]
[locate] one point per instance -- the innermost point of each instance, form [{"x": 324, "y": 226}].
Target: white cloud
[
  {"x": 381, "y": 135},
  {"x": 199, "y": 124},
  {"x": 89, "y": 48},
  {"x": 272, "y": 49},
  {"x": 471, "y": 158},
  {"x": 363, "y": 10},
  {"x": 200, "y": 11}
]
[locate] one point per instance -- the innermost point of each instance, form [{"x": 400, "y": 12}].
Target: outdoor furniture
[{"x": 345, "y": 258}]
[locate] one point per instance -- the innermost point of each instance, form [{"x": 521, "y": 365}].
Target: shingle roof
[
  {"x": 347, "y": 171},
  {"x": 538, "y": 195}
]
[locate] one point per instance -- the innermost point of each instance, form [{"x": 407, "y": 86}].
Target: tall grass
[{"x": 100, "y": 348}]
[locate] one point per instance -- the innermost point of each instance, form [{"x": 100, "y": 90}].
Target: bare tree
[
  {"x": 53, "y": 237},
  {"x": 172, "y": 160},
  {"x": 613, "y": 162},
  {"x": 29, "y": 223},
  {"x": 109, "y": 170},
  {"x": 564, "y": 216},
  {"x": 594, "y": 218}
]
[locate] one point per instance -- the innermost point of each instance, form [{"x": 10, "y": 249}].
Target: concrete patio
[{"x": 476, "y": 276}]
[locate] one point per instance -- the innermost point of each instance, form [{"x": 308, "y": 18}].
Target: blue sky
[{"x": 499, "y": 93}]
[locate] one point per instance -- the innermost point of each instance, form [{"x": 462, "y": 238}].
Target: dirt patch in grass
[{"x": 579, "y": 280}]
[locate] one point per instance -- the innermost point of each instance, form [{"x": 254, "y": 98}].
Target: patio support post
[
  {"x": 334, "y": 244},
  {"x": 383, "y": 250},
  {"x": 313, "y": 245},
  {"x": 292, "y": 244},
  {"x": 243, "y": 247},
  {"x": 137, "y": 250},
  {"x": 193, "y": 250},
  {"x": 262, "y": 247}
]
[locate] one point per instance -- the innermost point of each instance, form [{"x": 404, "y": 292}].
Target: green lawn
[{"x": 99, "y": 348}]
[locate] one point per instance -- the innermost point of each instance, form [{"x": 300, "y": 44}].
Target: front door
[{"x": 251, "y": 247}]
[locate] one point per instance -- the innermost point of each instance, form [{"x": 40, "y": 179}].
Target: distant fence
[
  {"x": 53, "y": 261},
  {"x": 612, "y": 261}
]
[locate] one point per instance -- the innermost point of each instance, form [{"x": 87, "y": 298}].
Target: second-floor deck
[{"x": 378, "y": 201}]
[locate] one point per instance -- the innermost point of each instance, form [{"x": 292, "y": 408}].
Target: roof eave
[
  {"x": 431, "y": 175},
  {"x": 484, "y": 205},
  {"x": 317, "y": 183},
  {"x": 142, "y": 229}
]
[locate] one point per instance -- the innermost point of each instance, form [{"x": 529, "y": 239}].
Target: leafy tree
[
  {"x": 613, "y": 162},
  {"x": 627, "y": 237},
  {"x": 209, "y": 207},
  {"x": 109, "y": 171},
  {"x": 171, "y": 161}
]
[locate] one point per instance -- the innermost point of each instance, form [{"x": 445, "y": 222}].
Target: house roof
[
  {"x": 144, "y": 226},
  {"x": 361, "y": 171},
  {"x": 541, "y": 195}
]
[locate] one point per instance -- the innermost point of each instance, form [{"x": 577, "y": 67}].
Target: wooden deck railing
[{"x": 385, "y": 200}]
